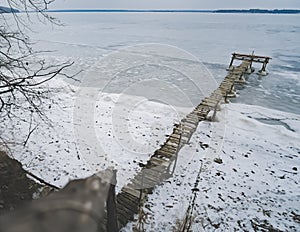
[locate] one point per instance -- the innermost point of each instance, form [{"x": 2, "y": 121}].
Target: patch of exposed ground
[{"x": 16, "y": 188}]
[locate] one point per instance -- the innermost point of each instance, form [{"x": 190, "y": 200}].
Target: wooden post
[
  {"x": 226, "y": 97},
  {"x": 263, "y": 72},
  {"x": 178, "y": 149},
  {"x": 80, "y": 206},
  {"x": 263, "y": 68},
  {"x": 232, "y": 59},
  {"x": 251, "y": 60},
  {"x": 265, "y": 64},
  {"x": 213, "y": 118},
  {"x": 112, "y": 221}
]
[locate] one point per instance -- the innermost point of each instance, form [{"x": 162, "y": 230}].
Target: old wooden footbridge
[
  {"x": 162, "y": 163},
  {"x": 91, "y": 204}
]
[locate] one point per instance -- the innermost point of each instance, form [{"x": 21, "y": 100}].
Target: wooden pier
[{"x": 162, "y": 163}]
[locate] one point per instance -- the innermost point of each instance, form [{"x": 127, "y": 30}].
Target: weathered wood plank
[
  {"x": 168, "y": 148},
  {"x": 163, "y": 153},
  {"x": 144, "y": 182},
  {"x": 133, "y": 199},
  {"x": 132, "y": 192},
  {"x": 126, "y": 205},
  {"x": 151, "y": 178},
  {"x": 158, "y": 161}
]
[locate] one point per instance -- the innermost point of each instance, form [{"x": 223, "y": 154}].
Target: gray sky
[
  {"x": 170, "y": 4},
  {"x": 175, "y": 4}
]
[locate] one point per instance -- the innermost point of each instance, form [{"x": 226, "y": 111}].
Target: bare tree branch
[{"x": 23, "y": 73}]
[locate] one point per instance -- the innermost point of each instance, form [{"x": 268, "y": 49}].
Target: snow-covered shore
[
  {"x": 89, "y": 133},
  {"x": 255, "y": 185}
]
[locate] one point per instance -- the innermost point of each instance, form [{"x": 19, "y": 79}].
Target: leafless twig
[{"x": 23, "y": 73}]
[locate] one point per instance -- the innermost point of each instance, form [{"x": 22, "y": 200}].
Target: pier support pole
[
  {"x": 250, "y": 69},
  {"x": 231, "y": 62},
  {"x": 263, "y": 71}
]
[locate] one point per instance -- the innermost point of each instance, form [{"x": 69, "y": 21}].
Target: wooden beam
[{"x": 253, "y": 56}]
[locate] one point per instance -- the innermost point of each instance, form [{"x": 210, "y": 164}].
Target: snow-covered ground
[
  {"x": 89, "y": 133},
  {"x": 117, "y": 114},
  {"x": 257, "y": 182}
]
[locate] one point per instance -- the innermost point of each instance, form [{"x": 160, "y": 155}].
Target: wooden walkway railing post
[{"x": 232, "y": 60}]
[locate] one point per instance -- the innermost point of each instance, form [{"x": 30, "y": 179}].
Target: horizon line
[{"x": 250, "y": 10}]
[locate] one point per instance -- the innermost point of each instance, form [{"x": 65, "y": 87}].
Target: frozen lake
[{"x": 87, "y": 37}]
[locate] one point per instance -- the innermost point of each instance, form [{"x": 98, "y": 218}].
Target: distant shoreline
[
  {"x": 222, "y": 11},
  {"x": 231, "y": 11}
]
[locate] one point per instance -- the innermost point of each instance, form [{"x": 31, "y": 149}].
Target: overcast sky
[
  {"x": 176, "y": 4},
  {"x": 170, "y": 4}
]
